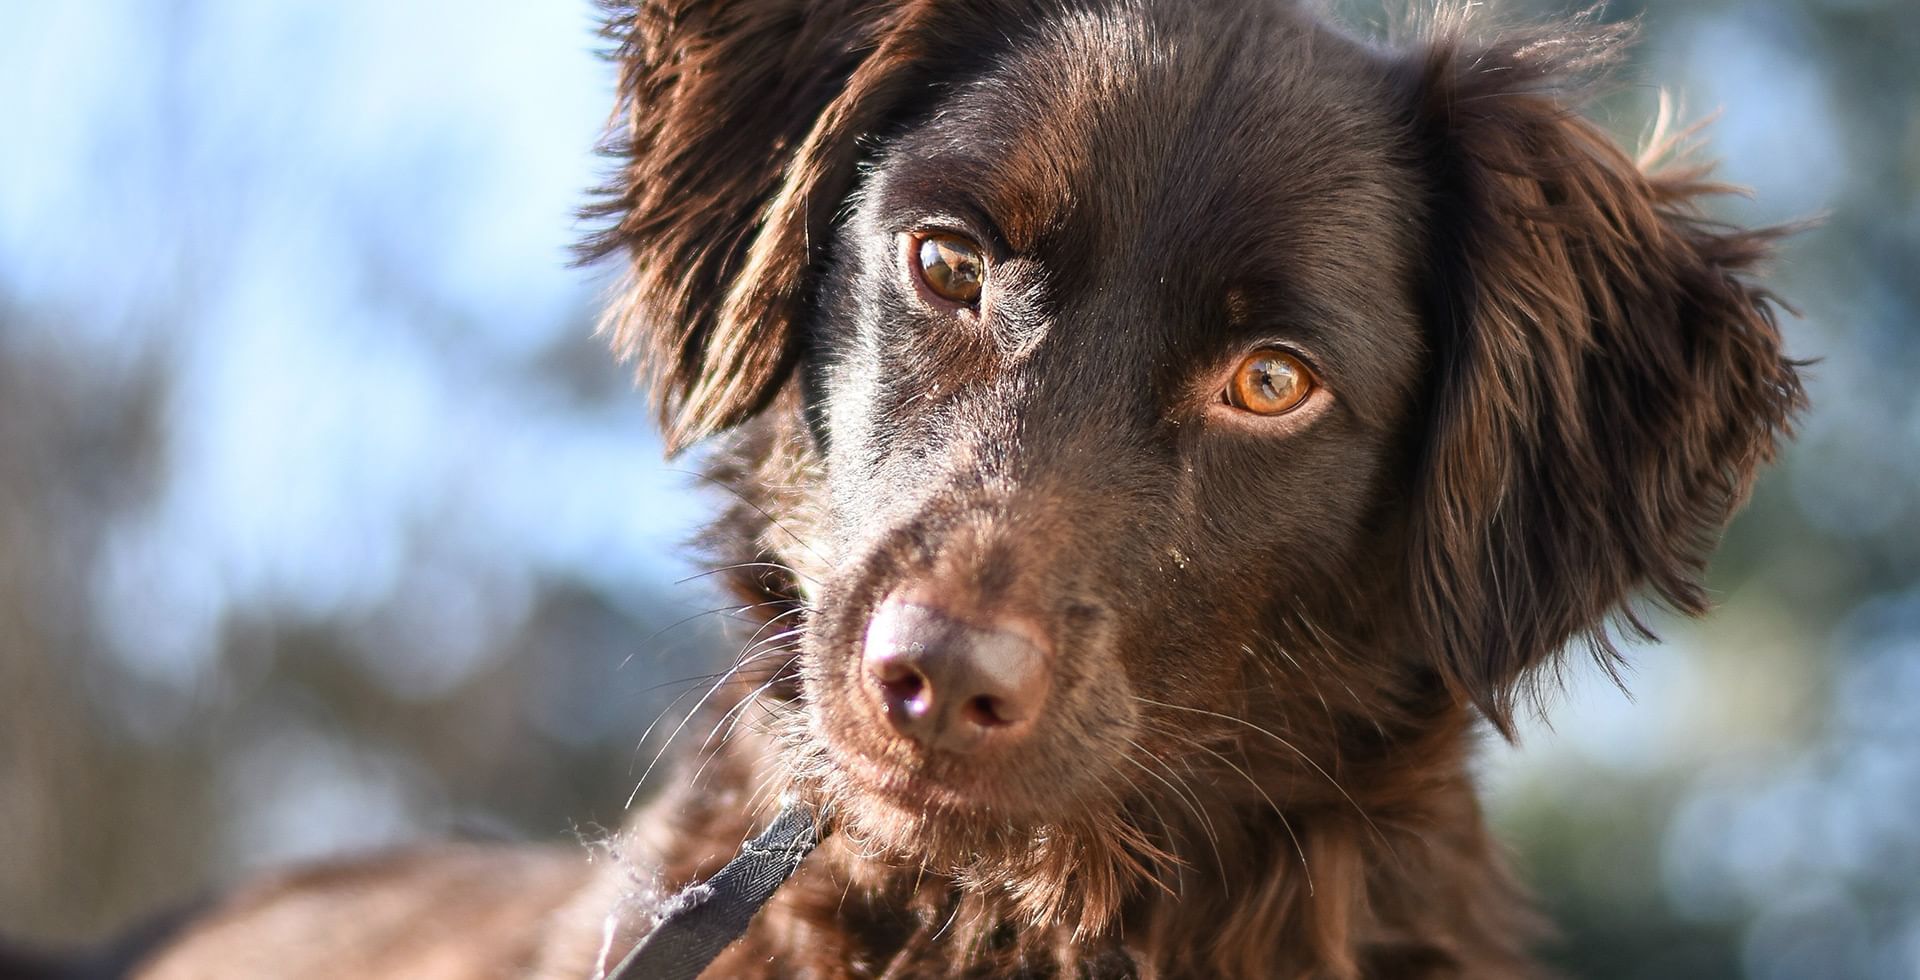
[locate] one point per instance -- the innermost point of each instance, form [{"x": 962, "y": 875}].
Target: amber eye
[
  {"x": 1269, "y": 382},
  {"x": 953, "y": 268}
]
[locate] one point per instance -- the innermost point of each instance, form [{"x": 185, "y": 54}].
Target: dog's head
[{"x": 1183, "y": 391}]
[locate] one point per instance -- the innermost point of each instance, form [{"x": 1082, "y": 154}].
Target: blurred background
[{"x": 325, "y": 524}]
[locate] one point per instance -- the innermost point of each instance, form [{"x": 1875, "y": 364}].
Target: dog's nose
[{"x": 954, "y": 685}]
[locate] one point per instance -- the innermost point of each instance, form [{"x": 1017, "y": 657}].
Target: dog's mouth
[{"x": 935, "y": 788}]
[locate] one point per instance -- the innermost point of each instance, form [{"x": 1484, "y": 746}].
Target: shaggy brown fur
[{"x": 1542, "y": 384}]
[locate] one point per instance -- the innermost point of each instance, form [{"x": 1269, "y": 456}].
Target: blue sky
[{"x": 343, "y": 229}]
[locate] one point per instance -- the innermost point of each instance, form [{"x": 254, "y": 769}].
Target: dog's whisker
[
  {"x": 743, "y": 565},
  {"x": 731, "y": 610},
  {"x": 730, "y": 720},
  {"x": 1286, "y": 824},
  {"x": 666, "y": 712},
  {"x": 729, "y": 717},
  {"x": 762, "y": 511},
  {"x": 1326, "y": 640},
  {"x": 1313, "y": 683},
  {"x": 1178, "y": 888},
  {"x": 657, "y": 756},
  {"x": 1289, "y": 746},
  {"x": 951, "y": 917},
  {"x": 736, "y": 668},
  {"x": 1203, "y": 822},
  {"x": 768, "y": 784},
  {"x": 1206, "y": 817},
  {"x": 755, "y": 640},
  {"x": 776, "y": 641},
  {"x": 695, "y": 679}
]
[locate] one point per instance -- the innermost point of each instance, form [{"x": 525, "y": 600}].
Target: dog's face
[
  {"x": 1179, "y": 396},
  {"x": 1112, "y": 366}
]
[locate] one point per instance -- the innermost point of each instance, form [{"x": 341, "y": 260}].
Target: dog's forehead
[
  {"x": 1230, "y": 157},
  {"x": 1163, "y": 116}
]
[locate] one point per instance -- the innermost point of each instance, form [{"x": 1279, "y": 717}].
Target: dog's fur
[{"x": 1545, "y": 384}]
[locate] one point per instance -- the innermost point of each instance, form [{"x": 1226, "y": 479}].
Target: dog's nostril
[
  {"x": 891, "y": 672},
  {"x": 905, "y": 688},
  {"x": 987, "y": 712}
]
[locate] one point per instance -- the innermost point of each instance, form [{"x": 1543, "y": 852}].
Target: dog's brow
[{"x": 986, "y": 191}]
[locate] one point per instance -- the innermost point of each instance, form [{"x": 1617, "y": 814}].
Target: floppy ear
[
  {"x": 1606, "y": 378},
  {"x": 739, "y": 124}
]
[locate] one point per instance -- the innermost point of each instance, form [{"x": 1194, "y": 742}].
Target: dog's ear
[
  {"x": 1606, "y": 377},
  {"x": 739, "y": 126}
]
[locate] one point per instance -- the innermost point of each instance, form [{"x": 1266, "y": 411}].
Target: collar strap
[{"x": 695, "y": 926}]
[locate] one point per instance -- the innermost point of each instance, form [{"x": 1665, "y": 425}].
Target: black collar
[{"x": 698, "y": 924}]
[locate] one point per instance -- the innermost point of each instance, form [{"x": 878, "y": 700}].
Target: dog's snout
[{"x": 950, "y": 684}]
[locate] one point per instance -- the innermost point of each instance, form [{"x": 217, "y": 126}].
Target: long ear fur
[
  {"x": 740, "y": 125},
  {"x": 1606, "y": 381}
]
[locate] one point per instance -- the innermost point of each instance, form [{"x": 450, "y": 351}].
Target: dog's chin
[
  {"x": 1066, "y": 864},
  {"x": 914, "y": 801},
  {"x": 940, "y": 837}
]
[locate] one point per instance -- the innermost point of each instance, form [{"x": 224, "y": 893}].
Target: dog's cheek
[
  {"x": 827, "y": 657},
  {"x": 1092, "y": 673},
  {"x": 1282, "y": 522}
]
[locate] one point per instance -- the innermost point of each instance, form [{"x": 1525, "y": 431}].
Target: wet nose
[{"x": 953, "y": 685}]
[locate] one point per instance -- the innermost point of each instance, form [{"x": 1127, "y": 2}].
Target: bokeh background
[{"x": 325, "y": 523}]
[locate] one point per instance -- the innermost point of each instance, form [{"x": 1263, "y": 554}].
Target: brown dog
[{"x": 1161, "y": 431}]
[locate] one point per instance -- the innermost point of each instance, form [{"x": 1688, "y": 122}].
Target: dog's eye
[
  {"x": 1269, "y": 382},
  {"x": 952, "y": 267}
]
